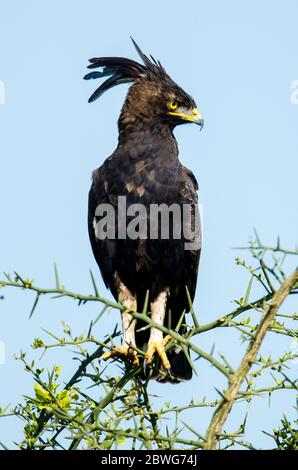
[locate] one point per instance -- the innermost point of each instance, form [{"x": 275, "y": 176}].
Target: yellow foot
[
  {"x": 159, "y": 348},
  {"x": 123, "y": 351}
]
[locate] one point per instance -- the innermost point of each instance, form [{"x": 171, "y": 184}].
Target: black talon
[{"x": 170, "y": 375}]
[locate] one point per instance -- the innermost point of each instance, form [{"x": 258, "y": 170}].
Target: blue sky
[{"x": 238, "y": 61}]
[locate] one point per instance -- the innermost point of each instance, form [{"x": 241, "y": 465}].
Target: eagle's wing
[
  {"x": 178, "y": 301},
  {"x": 192, "y": 256},
  {"x": 104, "y": 250}
]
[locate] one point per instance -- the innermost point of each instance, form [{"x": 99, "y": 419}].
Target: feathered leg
[
  {"x": 157, "y": 342},
  {"x": 127, "y": 349}
]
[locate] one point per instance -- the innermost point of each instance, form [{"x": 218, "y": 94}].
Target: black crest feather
[{"x": 122, "y": 70}]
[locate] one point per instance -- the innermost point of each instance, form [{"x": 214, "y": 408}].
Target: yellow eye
[{"x": 172, "y": 105}]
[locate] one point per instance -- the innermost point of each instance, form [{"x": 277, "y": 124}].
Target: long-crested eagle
[{"x": 145, "y": 170}]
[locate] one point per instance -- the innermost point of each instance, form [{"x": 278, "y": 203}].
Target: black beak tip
[{"x": 201, "y": 123}]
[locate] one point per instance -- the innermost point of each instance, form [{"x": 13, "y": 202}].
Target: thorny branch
[{"x": 125, "y": 410}]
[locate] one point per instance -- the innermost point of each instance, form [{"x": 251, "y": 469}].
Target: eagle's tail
[{"x": 180, "y": 367}]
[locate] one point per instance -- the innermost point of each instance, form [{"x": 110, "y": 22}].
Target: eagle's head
[{"x": 153, "y": 96}]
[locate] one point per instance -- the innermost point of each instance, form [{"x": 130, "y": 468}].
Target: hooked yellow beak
[{"x": 189, "y": 115}]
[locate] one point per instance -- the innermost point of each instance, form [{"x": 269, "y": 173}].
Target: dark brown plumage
[{"x": 145, "y": 169}]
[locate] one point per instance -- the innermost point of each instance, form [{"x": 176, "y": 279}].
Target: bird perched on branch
[{"x": 152, "y": 265}]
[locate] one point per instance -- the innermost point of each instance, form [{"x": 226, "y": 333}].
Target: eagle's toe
[
  {"x": 125, "y": 352},
  {"x": 159, "y": 348}
]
